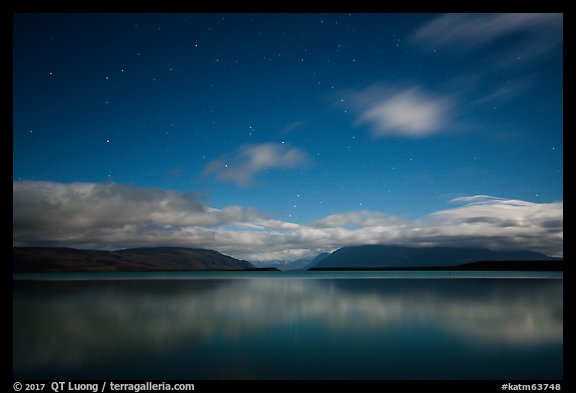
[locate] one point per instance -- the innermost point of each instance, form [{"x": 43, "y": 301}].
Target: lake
[{"x": 289, "y": 325}]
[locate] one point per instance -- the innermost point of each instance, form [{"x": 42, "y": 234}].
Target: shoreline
[{"x": 285, "y": 275}]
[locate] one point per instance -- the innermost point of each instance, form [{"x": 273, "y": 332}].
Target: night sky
[{"x": 279, "y": 136}]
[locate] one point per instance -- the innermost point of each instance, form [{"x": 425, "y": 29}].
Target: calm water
[{"x": 362, "y": 325}]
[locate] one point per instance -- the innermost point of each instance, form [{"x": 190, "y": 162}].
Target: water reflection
[{"x": 83, "y": 323}]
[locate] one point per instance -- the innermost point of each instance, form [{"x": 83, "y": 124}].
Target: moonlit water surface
[{"x": 288, "y": 326}]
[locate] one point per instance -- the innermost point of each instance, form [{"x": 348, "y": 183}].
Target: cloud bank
[
  {"x": 115, "y": 216},
  {"x": 241, "y": 166}
]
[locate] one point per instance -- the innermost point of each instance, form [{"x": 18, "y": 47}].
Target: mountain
[
  {"x": 299, "y": 264},
  {"x": 53, "y": 259},
  {"x": 319, "y": 258},
  {"x": 387, "y": 257}
]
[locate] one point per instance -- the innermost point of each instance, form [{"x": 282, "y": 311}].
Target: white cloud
[
  {"x": 81, "y": 206},
  {"x": 475, "y": 29},
  {"x": 241, "y": 166},
  {"x": 497, "y": 223},
  {"x": 114, "y": 216},
  {"x": 293, "y": 126},
  {"x": 499, "y": 41},
  {"x": 505, "y": 92},
  {"x": 532, "y": 36},
  {"x": 363, "y": 218},
  {"x": 409, "y": 112},
  {"x": 493, "y": 45}
]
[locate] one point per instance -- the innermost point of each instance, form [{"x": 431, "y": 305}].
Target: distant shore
[{"x": 553, "y": 266}]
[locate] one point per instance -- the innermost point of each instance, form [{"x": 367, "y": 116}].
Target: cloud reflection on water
[{"x": 75, "y": 323}]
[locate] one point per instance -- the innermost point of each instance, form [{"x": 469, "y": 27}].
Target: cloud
[
  {"x": 241, "y": 166},
  {"x": 363, "y": 218},
  {"x": 293, "y": 126},
  {"x": 505, "y": 92},
  {"x": 496, "y": 223},
  {"x": 108, "y": 213},
  {"x": 472, "y": 30},
  {"x": 115, "y": 216},
  {"x": 533, "y": 35},
  {"x": 515, "y": 43},
  {"x": 409, "y": 112}
]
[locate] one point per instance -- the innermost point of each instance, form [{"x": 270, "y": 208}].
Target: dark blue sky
[{"x": 293, "y": 120}]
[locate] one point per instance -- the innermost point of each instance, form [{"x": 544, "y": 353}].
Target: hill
[
  {"x": 399, "y": 257},
  {"x": 57, "y": 259}
]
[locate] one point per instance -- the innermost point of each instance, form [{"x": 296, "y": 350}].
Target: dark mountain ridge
[
  {"x": 400, "y": 257},
  {"x": 60, "y": 259}
]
